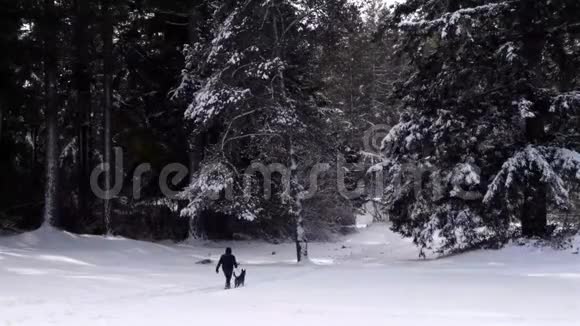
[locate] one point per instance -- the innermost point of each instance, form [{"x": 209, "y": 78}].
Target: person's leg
[{"x": 228, "y": 279}]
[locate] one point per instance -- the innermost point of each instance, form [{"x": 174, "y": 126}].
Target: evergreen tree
[
  {"x": 245, "y": 101},
  {"x": 492, "y": 83},
  {"x": 252, "y": 91}
]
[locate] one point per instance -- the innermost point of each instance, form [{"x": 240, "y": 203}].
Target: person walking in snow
[{"x": 227, "y": 262}]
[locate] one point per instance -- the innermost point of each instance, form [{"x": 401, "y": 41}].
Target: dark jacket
[{"x": 227, "y": 262}]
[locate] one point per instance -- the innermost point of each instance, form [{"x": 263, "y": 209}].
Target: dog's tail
[{"x": 236, "y": 276}]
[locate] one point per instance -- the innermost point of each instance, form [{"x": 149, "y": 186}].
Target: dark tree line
[
  {"x": 482, "y": 97},
  {"x": 201, "y": 83}
]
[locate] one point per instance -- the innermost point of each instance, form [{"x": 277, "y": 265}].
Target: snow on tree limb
[
  {"x": 212, "y": 99},
  {"x": 449, "y": 22},
  {"x": 565, "y": 102},
  {"x": 554, "y": 165}
]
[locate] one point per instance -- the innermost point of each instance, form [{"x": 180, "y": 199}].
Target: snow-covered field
[{"x": 369, "y": 278}]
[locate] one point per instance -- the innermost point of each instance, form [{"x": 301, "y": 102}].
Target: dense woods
[{"x": 216, "y": 118}]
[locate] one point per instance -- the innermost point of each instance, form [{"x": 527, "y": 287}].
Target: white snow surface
[{"x": 371, "y": 277}]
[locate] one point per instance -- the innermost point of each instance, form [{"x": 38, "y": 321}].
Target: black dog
[{"x": 239, "y": 280}]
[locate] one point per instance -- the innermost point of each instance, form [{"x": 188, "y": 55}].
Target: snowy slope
[{"x": 370, "y": 277}]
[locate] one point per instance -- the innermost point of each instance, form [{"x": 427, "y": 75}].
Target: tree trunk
[
  {"x": 107, "y": 34},
  {"x": 301, "y": 241},
  {"x": 534, "y": 214},
  {"x": 196, "y": 153},
  {"x": 1, "y": 122},
  {"x": 34, "y": 157},
  {"x": 83, "y": 86},
  {"x": 51, "y": 114},
  {"x": 279, "y": 52}
]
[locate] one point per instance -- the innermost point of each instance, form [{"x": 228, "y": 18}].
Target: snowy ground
[{"x": 372, "y": 276}]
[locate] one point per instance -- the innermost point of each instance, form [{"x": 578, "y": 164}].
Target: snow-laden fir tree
[
  {"x": 485, "y": 137},
  {"x": 252, "y": 102}
]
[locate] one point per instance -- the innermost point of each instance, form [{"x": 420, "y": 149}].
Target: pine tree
[
  {"x": 251, "y": 87},
  {"x": 243, "y": 106},
  {"x": 490, "y": 90}
]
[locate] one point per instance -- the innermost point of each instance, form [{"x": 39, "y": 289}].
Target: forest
[{"x": 457, "y": 121}]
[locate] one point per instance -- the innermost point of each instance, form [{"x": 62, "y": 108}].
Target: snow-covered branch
[
  {"x": 554, "y": 166},
  {"x": 450, "y": 22},
  {"x": 565, "y": 102}
]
